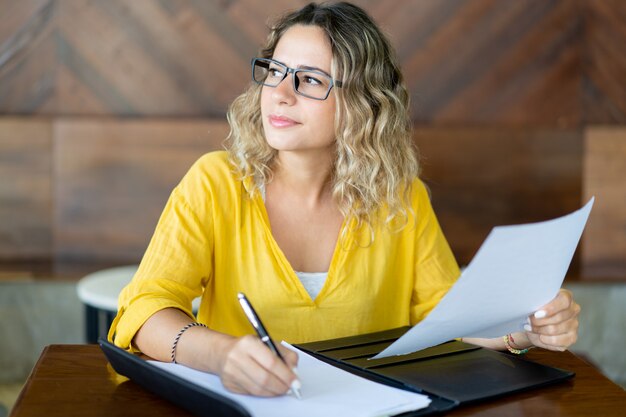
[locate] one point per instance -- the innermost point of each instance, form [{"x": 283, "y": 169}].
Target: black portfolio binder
[
  {"x": 451, "y": 374},
  {"x": 191, "y": 397}
]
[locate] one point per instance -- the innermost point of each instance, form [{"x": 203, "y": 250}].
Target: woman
[{"x": 320, "y": 177}]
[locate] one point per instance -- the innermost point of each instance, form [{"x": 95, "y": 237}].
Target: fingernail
[
  {"x": 296, "y": 385},
  {"x": 295, "y": 389},
  {"x": 528, "y": 328},
  {"x": 295, "y": 371},
  {"x": 539, "y": 314}
]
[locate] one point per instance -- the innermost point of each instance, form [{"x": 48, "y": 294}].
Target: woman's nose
[{"x": 284, "y": 91}]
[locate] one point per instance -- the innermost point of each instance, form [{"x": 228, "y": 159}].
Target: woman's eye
[
  {"x": 312, "y": 80},
  {"x": 275, "y": 72}
]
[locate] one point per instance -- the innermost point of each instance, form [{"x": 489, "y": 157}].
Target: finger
[
  {"x": 557, "y": 329},
  {"x": 243, "y": 369},
  {"x": 289, "y": 355},
  {"x": 242, "y": 385},
  {"x": 561, "y": 316},
  {"x": 536, "y": 341},
  {"x": 236, "y": 381},
  {"x": 257, "y": 380},
  {"x": 235, "y": 375},
  {"x": 561, "y": 302},
  {"x": 559, "y": 342},
  {"x": 274, "y": 365}
]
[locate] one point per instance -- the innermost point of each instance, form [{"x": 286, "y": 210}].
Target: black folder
[
  {"x": 191, "y": 397},
  {"x": 451, "y": 374}
]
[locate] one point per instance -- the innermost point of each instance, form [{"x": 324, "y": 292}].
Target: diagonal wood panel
[
  {"x": 474, "y": 61},
  {"x": 604, "y": 71},
  {"x": 154, "y": 58},
  {"x": 27, "y": 57},
  {"x": 506, "y": 62},
  {"x": 14, "y": 15}
]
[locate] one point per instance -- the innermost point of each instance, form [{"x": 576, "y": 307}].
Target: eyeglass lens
[{"x": 309, "y": 83}]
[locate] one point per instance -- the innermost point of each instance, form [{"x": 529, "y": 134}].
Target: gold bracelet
[{"x": 507, "y": 339}]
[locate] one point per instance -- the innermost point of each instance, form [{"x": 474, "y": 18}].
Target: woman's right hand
[
  {"x": 248, "y": 366},
  {"x": 244, "y": 364}
]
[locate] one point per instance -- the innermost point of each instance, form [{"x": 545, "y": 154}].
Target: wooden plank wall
[
  {"x": 506, "y": 96},
  {"x": 25, "y": 188},
  {"x": 113, "y": 177},
  {"x": 482, "y": 177},
  {"x": 465, "y": 62},
  {"x": 604, "y": 242},
  {"x": 83, "y": 193}
]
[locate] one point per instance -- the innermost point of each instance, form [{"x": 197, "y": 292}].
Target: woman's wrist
[
  {"x": 519, "y": 340},
  {"x": 203, "y": 349},
  {"x": 220, "y": 345}
]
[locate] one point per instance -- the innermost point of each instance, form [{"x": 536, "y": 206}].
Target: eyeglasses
[{"x": 306, "y": 82}]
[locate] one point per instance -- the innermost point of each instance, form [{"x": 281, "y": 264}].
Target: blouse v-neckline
[{"x": 259, "y": 202}]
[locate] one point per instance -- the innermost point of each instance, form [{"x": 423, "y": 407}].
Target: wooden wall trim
[
  {"x": 486, "y": 177},
  {"x": 604, "y": 240},
  {"x": 25, "y": 188},
  {"x": 112, "y": 179},
  {"x": 106, "y": 181}
]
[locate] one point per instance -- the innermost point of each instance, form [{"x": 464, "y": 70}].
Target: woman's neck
[{"x": 304, "y": 177}]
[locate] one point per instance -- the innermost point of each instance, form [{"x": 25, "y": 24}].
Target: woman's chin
[{"x": 283, "y": 144}]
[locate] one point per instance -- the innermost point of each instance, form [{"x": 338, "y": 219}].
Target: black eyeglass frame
[{"x": 294, "y": 72}]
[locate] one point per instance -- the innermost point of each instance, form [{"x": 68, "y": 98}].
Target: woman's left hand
[{"x": 555, "y": 325}]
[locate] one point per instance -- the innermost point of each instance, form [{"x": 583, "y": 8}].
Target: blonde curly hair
[{"x": 376, "y": 158}]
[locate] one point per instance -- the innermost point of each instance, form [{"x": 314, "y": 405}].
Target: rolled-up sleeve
[{"x": 174, "y": 270}]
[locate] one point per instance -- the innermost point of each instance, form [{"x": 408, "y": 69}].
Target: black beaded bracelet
[{"x": 180, "y": 333}]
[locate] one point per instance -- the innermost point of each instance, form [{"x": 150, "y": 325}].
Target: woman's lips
[{"x": 282, "y": 121}]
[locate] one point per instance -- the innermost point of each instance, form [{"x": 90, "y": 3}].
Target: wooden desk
[{"x": 76, "y": 380}]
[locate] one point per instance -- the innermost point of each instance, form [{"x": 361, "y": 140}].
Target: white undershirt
[{"x": 313, "y": 282}]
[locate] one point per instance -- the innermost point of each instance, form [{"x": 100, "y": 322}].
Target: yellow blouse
[{"x": 213, "y": 241}]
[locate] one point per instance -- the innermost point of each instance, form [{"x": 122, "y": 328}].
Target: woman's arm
[
  {"x": 521, "y": 342},
  {"x": 244, "y": 364},
  {"x": 553, "y": 327}
]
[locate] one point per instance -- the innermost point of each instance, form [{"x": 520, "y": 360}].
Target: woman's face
[{"x": 292, "y": 122}]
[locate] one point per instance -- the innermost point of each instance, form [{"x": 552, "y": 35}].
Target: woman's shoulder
[
  {"x": 211, "y": 167},
  {"x": 420, "y": 202},
  {"x": 211, "y": 162},
  {"x": 212, "y": 172},
  {"x": 420, "y": 193}
]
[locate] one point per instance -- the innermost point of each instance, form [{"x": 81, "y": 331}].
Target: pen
[{"x": 254, "y": 319}]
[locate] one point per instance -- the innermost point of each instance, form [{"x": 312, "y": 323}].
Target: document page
[
  {"x": 517, "y": 270},
  {"x": 326, "y": 391}
]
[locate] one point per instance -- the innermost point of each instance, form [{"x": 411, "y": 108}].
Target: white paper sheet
[
  {"x": 326, "y": 391},
  {"x": 517, "y": 270}
]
